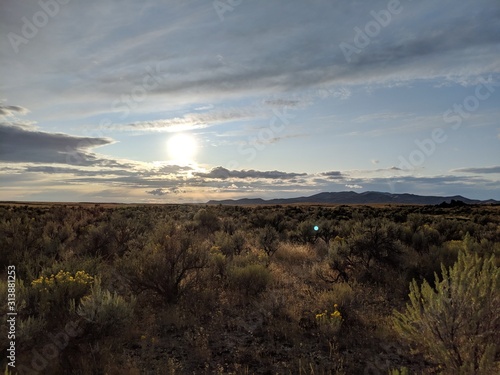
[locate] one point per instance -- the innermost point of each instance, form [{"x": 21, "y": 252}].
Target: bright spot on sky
[
  {"x": 316, "y": 227},
  {"x": 181, "y": 148}
]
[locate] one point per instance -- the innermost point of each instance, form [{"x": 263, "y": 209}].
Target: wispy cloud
[
  {"x": 480, "y": 170},
  {"x": 289, "y": 103},
  {"x": 193, "y": 120},
  {"x": 11, "y": 110},
  {"x": 279, "y": 138},
  {"x": 382, "y": 117}
]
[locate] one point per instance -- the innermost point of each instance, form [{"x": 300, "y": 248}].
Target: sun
[{"x": 182, "y": 148}]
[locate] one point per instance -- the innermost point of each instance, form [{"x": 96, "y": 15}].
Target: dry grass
[{"x": 295, "y": 254}]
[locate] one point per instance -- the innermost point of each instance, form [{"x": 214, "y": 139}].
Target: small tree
[
  {"x": 168, "y": 265},
  {"x": 457, "y": 324},
  {"x": 305, "y": 233},
  {"x": 206, "y": 221},
  {"x": 327, "y": 230}
]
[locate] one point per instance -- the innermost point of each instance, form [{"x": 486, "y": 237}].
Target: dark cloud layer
[
  {"x": 333, "y": 175},
  {"x": 223, "y": 174},
  {"x": 495, "y": 169},
  {"x": 161, "y": 191},
  {"x": 18, "y": 145}
]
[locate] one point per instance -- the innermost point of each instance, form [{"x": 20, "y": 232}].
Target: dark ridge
[{"x": 368, "y": 197}]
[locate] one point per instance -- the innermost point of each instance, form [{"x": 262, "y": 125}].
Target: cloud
[
  {"x": 279, "y": 139},
  {"x": 204, "y": 107},
  {"x": 355, "y": 186},
  {"x": 100, "y": 172},
  {"x": 223, "y": 174},
  {"x": 158, "y": 192},
  {"x": 11, "y": 110},
  {"x": 283, "y": 57},
  {"x": 380, "y": 117},
  {"x": 333, "y": 175},
  {"x": 170, "y": 169},
  {"x": 193, "y": 120},
  {"x": 289, "y": 103},
  {"x": 19, "y": 145},
  {"x": 480, "y": 170}
]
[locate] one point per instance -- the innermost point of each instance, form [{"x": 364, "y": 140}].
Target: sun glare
[{"x": 182, "y": 148}]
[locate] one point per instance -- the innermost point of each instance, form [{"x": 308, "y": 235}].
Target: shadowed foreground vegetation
[{"x": 190, "y": 289}]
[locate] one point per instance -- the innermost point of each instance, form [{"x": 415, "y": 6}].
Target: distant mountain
[{"x": 351, "y": 197}]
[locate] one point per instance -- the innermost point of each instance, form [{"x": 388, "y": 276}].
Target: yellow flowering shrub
[
  {"x": 330, "y": 320},
  {"x": 55, "y": 291}
]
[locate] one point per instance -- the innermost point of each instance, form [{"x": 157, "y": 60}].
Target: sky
[{"x": 186, "y": 101}]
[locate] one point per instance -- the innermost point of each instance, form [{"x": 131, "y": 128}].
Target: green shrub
[
  {"x": 368, "y": 247},
  {"x": 304, "y": 233},
  {"x": 268, "y": 240},
  {"x": 29, "y": 330},
  {"x": 339, "y": 293},
  {"x": 456, "y": 324},
  {"x": 168, "y": 265},
  {"x": 97, "y": 242},
  {"x": 206, "y": 221},
  {"x": 104, "y": 312},
  {"x": 229, "y": 244},
  {"x": 401, "y": 371},
  {"x": 327, "y": 230},
  {"x": 218, "y": 262},
  {"x": 251, "y": 279}
]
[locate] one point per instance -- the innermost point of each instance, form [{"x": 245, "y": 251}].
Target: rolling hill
[{"x": 351, "y": 197}]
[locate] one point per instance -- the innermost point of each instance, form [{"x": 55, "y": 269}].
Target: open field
[{"x": 199, "y": 289}]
